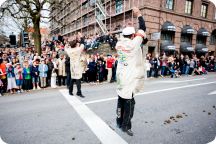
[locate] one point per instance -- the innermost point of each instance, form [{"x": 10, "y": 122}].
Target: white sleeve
[{"x": 137, "y": 41}]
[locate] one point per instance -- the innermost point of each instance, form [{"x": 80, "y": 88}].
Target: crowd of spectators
[
  {"x": 23, "y": 69},
  {"x": 90, "y": 41},
  {"x": 175, "y": 66}
]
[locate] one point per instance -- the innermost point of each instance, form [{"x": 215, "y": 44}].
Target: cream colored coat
[
  {"x": 61, "y": 67},
  {"x": 75, "y": 61},
  {"x": 130, "y": 69}
]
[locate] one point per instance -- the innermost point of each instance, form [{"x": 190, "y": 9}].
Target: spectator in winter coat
[
  {"x": 35, "y": 75},
  {"x": 49, "y": 72},
  {"x": 100, "y": 71},
  {"x": 11, "y": 82},
  {"x": 92, "y": 70},
  {"x": 43, "y": 69},
  {"x": 109, "y": 65},
  {"x": 19, "y": 77},
  {"x": 3, "y": 75},
  {"x": 27, "y": 83}
]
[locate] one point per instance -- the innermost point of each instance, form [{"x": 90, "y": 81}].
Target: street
[{"x": 168, "y": 111}]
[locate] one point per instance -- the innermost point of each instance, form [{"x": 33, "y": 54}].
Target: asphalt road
[{"x": 50, "y": 117}]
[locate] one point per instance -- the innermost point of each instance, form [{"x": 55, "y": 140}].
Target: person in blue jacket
[{"x": 43, "y": 69}]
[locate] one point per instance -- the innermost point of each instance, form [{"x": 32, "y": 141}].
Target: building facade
[{"x": 183, "y": 26}]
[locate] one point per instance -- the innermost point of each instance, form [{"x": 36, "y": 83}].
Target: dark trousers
[
  {"x": 156, "y": 72},
  {"x": 78, "y": 83},
  {"x": 92, "y": 76},
  {"x": 48, "y": 79},
  {"x": 60, "y": 79},
  {"x": 4, "y": 87},
  {"x": 125, "y": 111},
  {"x": 27, "y": 84},
  {"x": 85, "y": 77},
  {"x": 191, "y": 71},
  {"x": 68, "y": 79}
]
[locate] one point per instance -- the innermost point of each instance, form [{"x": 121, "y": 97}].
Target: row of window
[
  {"x": 188, "y": 38},
  {"x": 189, "y": 7}
]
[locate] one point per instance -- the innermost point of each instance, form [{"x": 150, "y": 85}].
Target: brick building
[{"x": 184, "y": 26}]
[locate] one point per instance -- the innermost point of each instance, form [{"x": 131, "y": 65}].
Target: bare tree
[
  {"x": 33, "y": 11},
  {"x": 27, "y": 10}
]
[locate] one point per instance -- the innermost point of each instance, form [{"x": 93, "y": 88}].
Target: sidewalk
[{"x": 105, "y": 83}]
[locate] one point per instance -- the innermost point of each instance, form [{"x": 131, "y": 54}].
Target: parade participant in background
[
  {"x": 61, "y": 70},
  {"x": 74, "y": 50},
  {"x": 43, "y": 69},
  {"x": 130, "y": 72}
]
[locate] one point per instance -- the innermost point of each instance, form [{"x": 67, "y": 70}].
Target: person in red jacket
[
  {"x": 109, "y": 65},
  {"x": 3, "y": 75}
]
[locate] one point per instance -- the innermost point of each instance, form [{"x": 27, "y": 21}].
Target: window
[
  {"x": 186, "y": 38},
  {"x": 215, "y": 14},
  {"x": 213, "y": 39},
  {"x": 188, "y": 6},
  {"x": 170, "y": 4},
  {"x": 204, "y": 9},
  {"x": 119, "y": 6},
  {"x": 85, "y": 20},
  {"x": 166, "y": 36},
  {"x": 201, "y": 40}
]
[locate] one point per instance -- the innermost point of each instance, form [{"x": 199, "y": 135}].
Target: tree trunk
[{"x": 37, "y": 37}]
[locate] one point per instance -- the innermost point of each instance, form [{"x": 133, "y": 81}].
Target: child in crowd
[
  {"x": 19, "y": 77},
  {"x": 100, "y": 71},
  {"x": 27, "y": 83},
  {"x": 53, "y": 75},
  {"x": 11, "y": 82},
  {"x": 35, "y": 75},
  {"x": 43, "y": 69}
]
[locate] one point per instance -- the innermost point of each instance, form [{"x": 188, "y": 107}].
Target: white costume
[
  {"x": 53, "y": 76},
  {"x": 75, "y": 61},
  {"x": 130, "y": 69}
]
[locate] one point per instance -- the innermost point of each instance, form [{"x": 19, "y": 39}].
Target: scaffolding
[{"x": 95, "y": 16}]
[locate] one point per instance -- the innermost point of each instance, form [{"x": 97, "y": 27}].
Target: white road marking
[
  {"x": 213, "y": 142},
  {"x": 212, "y": 93},
  {"x": 154, "y": 91},
  {"x": 104, "y": 133},
  {"x": 172, "y": 81},
  {"x": 2, "y": 142}
]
